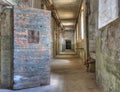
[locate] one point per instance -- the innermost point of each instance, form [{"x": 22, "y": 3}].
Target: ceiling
[{"x": 67, "y": 11}]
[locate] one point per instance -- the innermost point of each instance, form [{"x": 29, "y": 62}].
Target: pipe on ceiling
[
  {"x": 78, "y": 14},
  {"x": 54, "y": 10}
]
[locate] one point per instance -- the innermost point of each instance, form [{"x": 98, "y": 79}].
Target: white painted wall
[{"x": 108, "y": 12}]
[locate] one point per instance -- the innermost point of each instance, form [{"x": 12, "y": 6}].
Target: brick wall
[{"x": 32, "y": 39}]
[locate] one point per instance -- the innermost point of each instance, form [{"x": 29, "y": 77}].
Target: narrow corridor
[
  {"x": 68, "y": 75},
  {"x": 59, "y": 45}
]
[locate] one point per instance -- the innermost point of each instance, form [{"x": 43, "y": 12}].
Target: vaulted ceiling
[{"x": 67, "y": 11}]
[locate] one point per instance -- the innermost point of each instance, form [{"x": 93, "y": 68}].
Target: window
[{"x": 82, "y": 23}]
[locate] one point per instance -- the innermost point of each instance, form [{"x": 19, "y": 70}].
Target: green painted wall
[{"x": 6, "y": 28}]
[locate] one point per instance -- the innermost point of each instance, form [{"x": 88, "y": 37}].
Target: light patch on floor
[{"x": 17, "y": 77}]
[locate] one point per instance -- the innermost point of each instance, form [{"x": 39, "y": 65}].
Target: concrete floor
[
  {"x": 68, "y": 75},
  {"x": 68, "y": 52}
]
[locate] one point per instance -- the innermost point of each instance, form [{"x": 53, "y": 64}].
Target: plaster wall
[{"x": 107, "y": 44}]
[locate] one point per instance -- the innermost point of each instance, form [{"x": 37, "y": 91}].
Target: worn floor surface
[
  {"x": 68, "y": 51},
  {"x": 67, "y": 75}
]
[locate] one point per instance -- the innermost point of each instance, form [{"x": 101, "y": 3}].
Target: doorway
[{"x": 68, "y": 44}]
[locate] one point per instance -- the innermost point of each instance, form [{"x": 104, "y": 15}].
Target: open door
[
  {"x": 68, "y": 44},
  {"x": 32, "y": 44}
]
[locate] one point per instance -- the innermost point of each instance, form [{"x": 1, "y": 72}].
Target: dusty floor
[
  {"x": 68, "y": 52},
  {"x": 68, "y": 75}
]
